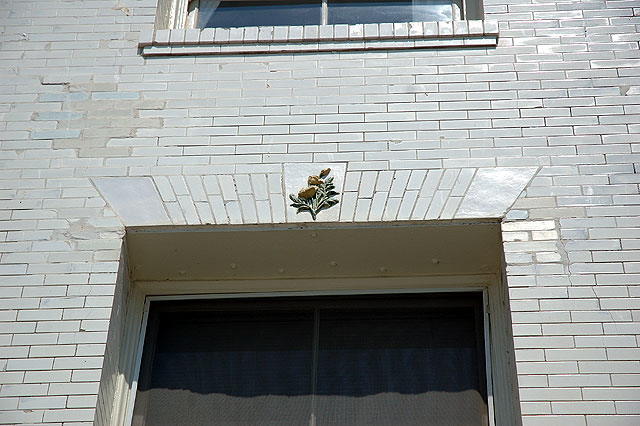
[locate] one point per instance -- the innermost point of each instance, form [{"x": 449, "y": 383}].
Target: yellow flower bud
[
  {"x": 314, "y": 180},
  {"x": 307, "y": 192}
]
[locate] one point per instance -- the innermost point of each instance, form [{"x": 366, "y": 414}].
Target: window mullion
[
  {"x": 458, "y": 9},
  {"x": 325, "y": 13},
  {"x": 193, "y": 9},
  {"x": 314, "y": 364}
]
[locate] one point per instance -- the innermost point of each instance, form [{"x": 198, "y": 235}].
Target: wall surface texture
[{"x": 541, "y": 131}]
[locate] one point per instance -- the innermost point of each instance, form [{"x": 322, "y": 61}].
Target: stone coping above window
[{"x": 318, "y": 38}]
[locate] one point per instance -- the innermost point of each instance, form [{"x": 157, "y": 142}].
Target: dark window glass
[
  {"x": 402, "y": 365},
  {"x": 261, "y": 13},
  {"x": 370, "y": 361},
  {"x": 377, "y": 11},
  {"x": 237, "y": 368}
]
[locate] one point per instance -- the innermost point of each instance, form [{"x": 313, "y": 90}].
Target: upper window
[
  {"x": 241, "y": 13},
  {"x": 245, "y": 13},
  {"x": 322, "y": 361}
]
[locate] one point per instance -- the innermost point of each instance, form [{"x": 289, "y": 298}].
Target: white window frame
[{"x": 396, "y": 285}]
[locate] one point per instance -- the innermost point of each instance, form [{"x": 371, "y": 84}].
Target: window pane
[
  {"x": 375, "y": 11},
  {"x": 269, "y": 12},
  {"x": 408, "y": 367},
  {"x": 230, "y": 368},
  {"x": 369, "y": 361}
]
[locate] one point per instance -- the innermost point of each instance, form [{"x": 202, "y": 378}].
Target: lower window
[{"x": 416, "y": 359}]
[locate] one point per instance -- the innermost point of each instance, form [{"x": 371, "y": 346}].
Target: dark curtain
[{"x": 312, "y": 365}]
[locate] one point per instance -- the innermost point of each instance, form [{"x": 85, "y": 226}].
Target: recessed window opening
[
  {"x": 242, "y": 13},
  {"x": 378, "y": 359}
]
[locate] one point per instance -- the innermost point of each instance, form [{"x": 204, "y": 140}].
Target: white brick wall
[{"x": 414, "y": 128}]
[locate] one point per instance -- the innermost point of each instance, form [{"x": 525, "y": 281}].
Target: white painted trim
[
  {"x": 457, "y": 10},
  {"x": 179, "y": 14},
  {"x": 324, "y": 13},
  {"x": 310, "y": 294},
  {"x": 193, "y": 10},
  {"x": 487, "y": 354},
  {"x": 193, "y": 289},
  {"x": 138, "y": 360}
]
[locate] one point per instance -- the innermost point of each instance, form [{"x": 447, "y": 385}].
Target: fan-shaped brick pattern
[{"x": 369, "y": 196}]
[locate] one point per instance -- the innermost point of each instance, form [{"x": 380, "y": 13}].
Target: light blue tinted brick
[
  {"x": 63, "y": 97},
  {"x": 56, "y": 134},
  {"x": 517, "y": 214},
  {"x": 59, "y": 115},
  {"x": 114, "y": 95}
]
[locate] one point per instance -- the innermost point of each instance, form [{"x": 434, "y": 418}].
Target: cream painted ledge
[{"x": 318, "y": 38}]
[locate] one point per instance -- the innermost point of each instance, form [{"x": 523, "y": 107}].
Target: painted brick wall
[{"x": 559, "y": 97}]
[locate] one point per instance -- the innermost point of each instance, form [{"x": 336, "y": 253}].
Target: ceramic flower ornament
[{"x": 317, "y": 196}]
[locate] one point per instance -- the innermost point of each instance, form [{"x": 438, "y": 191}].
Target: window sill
[{"x": 318, "y": 38}]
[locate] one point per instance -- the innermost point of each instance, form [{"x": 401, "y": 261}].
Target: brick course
[{"x": 414, "y": 128}]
